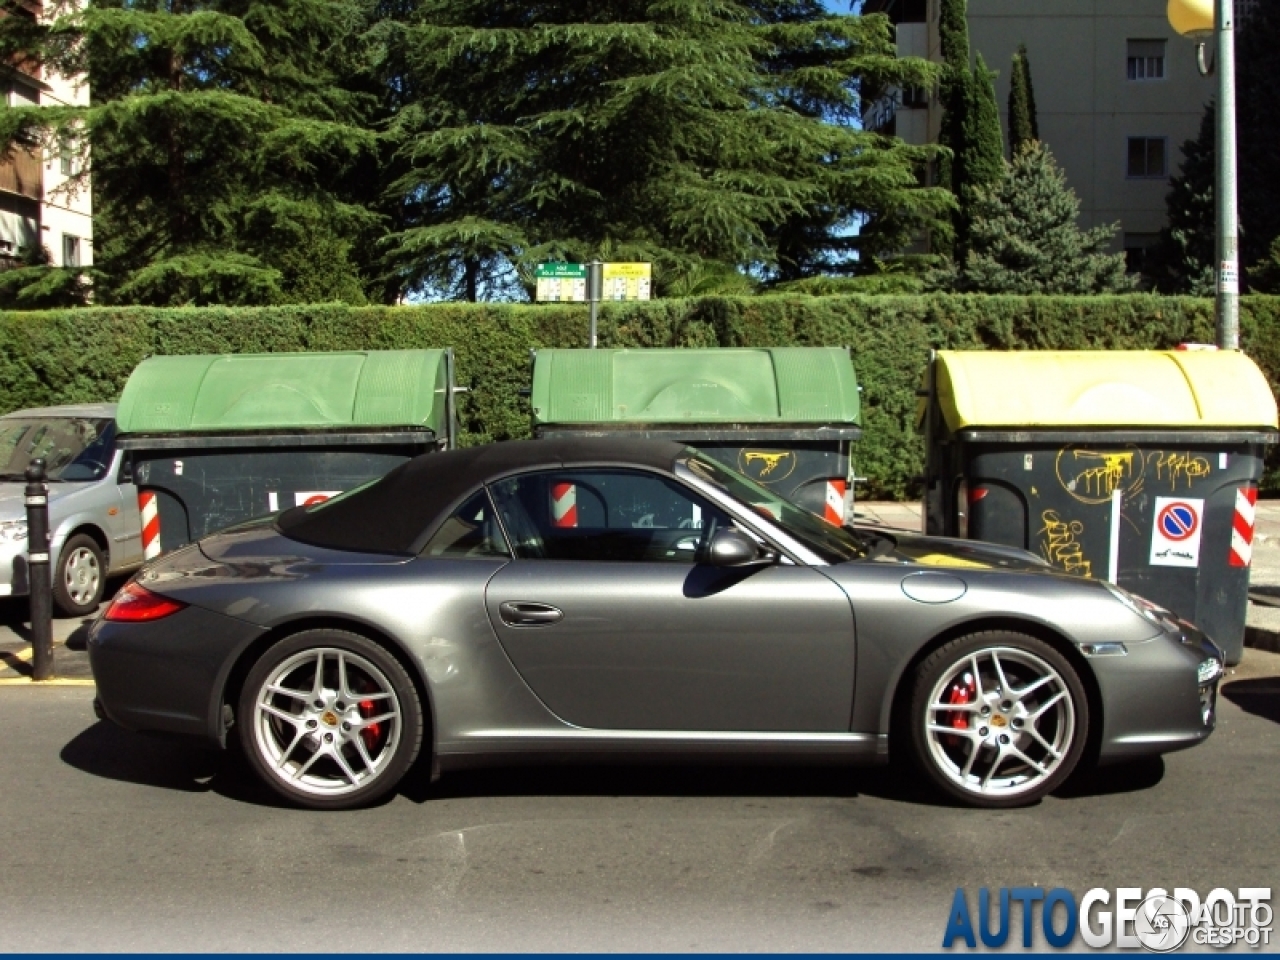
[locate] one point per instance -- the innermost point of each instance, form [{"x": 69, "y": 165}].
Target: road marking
[{"x": 55, "y": 682}]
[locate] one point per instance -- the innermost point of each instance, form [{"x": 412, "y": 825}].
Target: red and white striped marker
[
  {"x": 833, "y": 511},
  {"x": 150, "y": 511},
  {"x": 1242, "y": 527},
  {"x": 564, "y": 504}
]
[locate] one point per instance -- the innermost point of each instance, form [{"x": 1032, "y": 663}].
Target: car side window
[
  {"x": 620, "y": 516},
  {"x": 472, "y": 531}
]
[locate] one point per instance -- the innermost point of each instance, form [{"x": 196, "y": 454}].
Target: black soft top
[{"x": 394, "y": 514}]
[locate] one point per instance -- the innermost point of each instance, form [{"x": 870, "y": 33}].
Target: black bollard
[{"x": 37, "y": 499}]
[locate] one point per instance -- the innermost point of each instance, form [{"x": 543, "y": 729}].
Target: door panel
[{"x": 676, "y": 646}]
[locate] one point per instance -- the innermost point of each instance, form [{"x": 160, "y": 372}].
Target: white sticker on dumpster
[{"x": 1175, "y": 535}]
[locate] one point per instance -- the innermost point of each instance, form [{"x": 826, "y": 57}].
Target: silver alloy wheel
[
  {"x": 82, "y": 575},
  {"x": 1000, "y": 722},
  {"x": 327, "y": 721}
]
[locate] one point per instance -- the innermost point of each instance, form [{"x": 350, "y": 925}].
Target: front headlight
[
  {"x": 13, "y": 531},
  {"x": 1143, "y": 608}
]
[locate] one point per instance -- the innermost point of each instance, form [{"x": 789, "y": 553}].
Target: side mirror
[{"x": 733, "y": 548}]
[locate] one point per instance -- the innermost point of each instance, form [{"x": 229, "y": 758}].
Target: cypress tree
[
  {"x": 1181, "y": 262},
  {"x": 1257, "y": 107},
  {"x": 1024, "y": 238},
  {"x": 982, "y": 156},
  {"x": 678, "y": 133},
  {"x": 1023, "y": 127},
  {"x": 955, "y": 94},
  {"x": 219, "y": 140}
]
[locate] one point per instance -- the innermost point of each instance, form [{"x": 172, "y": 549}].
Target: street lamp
[{"x": 1204, "y": 21}]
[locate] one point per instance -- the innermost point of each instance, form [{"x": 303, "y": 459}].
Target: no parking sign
[{"x": 1175, "y": 535}]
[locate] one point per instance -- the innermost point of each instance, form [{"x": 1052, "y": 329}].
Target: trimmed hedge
[{"x": 86, "y": 355}]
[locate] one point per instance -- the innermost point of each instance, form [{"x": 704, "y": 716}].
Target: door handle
[{"x": 523, "y": 614}]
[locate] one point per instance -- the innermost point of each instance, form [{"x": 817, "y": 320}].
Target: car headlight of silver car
[{"x": 13, "y": 531}]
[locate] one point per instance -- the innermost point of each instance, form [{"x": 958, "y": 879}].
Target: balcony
[{"x": 21, "y": 172}]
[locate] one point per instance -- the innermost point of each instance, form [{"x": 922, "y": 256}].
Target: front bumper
[
  {"x": 168, "y": 676},
  {"x": 1161, "y": 695}
]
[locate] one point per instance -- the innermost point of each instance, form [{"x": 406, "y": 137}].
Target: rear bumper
[
  {"x": 1153, "y": 700},
  {"x": 168, "y": 676}
]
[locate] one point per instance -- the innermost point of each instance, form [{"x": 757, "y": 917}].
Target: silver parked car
[
  {"x": 609, "y": 597},
  {"x": 93, "y": 510}
]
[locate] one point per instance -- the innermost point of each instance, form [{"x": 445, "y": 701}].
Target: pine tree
[
  {"x": 1023, "y": 126},
  {"x": 1181, "y": 262},
  {"x": 219, "y": 141},
  {"x": 1024, "y": 238},
  {"x": 675, "y": 132}
]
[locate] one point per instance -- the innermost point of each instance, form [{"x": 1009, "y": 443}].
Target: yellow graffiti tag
[
  {"x": 771, "y": 461},
  {"x": 1061, "y": 545},
  {"x": 1173, "y": 467},
  {"x": 1092, "y": 476}
]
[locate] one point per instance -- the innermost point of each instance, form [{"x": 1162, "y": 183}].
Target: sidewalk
[{"x": 70, "y": 655}]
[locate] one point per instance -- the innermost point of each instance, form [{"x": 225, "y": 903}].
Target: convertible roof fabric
[{"x": 393, "y": 514}]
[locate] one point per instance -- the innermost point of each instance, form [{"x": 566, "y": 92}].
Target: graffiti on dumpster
[
  {"x": 1174, "y": 468},
  {"x": 767, "y": 466},
  {"x": 1060, "y": 544},
  {"x": 1092, "y": 476}
]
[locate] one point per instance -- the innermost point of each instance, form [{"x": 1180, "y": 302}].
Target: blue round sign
[{"x": 1178, "y": 521}]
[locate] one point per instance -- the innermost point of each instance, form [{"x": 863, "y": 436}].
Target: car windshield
[
  {"x": 75, "y": 449},
  {"x": 833, "y": 544}
]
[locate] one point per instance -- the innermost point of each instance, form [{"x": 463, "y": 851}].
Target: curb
[
  {"x": 1262, "y": 639},
  {"x": 55, "y": 682}
]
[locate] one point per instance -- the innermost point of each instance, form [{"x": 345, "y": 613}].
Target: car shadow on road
[
  {"x": 107, "y": 751},
  {"x": 1259, "y": 696}
]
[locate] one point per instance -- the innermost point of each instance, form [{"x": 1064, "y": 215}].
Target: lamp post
[{"x": 1204, "y": 21}]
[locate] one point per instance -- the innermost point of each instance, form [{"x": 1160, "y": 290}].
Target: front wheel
[
  {"x": 998, "y": 719},
  {"x": 79, "y": 577},
  {"x": 330, "y": 719}
]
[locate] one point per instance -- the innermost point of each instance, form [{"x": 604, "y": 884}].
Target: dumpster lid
[
  {"x": 1102, "y": 388},
  {"x": 278, "y": 392},
  {"x": 776, "y": 386}
]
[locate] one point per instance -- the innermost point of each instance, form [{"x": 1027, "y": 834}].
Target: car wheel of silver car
[
  {"x": 330, "y": 719},
  {"x": 80, "y": 576},
  {"x": 998, "y": 719}
]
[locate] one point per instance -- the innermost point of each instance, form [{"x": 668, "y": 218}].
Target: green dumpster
[
  {"x": 785, "y": 416},
  {"x": 213, "y": 440},
  {"x": 1136, "y": 467}
]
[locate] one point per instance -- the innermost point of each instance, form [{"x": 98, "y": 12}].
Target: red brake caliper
[
  {"x": 371, "y": 732},
  {"x": 963, "y": 691}
]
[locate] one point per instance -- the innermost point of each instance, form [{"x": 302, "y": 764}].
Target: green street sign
[{"x": 561, "y": 282}]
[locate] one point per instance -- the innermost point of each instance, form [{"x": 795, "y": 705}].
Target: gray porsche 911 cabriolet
[{"x": 608, "y": 598}]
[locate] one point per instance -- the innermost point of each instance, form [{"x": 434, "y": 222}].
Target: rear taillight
[{"x": 136, "y": 604}]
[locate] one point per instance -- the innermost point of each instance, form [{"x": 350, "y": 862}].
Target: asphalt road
[{"x": 117, "y": 842}]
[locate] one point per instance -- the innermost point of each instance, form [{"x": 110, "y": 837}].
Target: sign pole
[{"x": 595, "y": 288}]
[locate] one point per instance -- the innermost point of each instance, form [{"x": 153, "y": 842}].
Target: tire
[
  {"x": 80, "y": 576},
  {"x": 321, "y": 741},
  {"x": 1018, "y": 725}
]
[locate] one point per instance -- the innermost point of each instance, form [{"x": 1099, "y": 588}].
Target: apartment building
[
  {"x": 39, "y": 203},
  {"x": 1117, "y": 93}
]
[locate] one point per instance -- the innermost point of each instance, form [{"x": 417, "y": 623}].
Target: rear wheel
[
  {"x": 79, "y": 578},
  {"x": 330, "y": 719},
  {"x": 998, "y": 719}
]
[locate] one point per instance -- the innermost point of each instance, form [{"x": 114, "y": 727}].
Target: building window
[
  {"x": 915, "y": 98},
  {"x": 66, "y": 155},
  {"x": 1147, "y": 157},
  {"x": 70, "y": 250},
  {"x": 1136, "y": 248},
  {"x": 1146, "y": 60}
]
